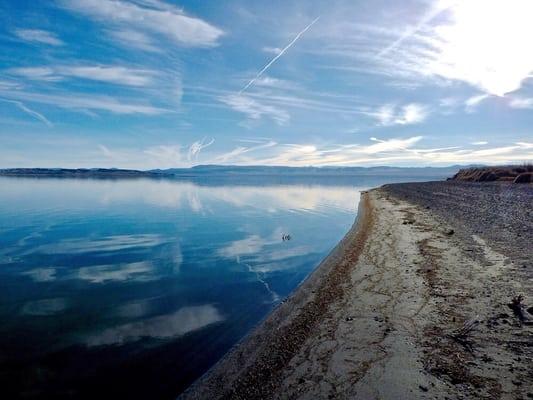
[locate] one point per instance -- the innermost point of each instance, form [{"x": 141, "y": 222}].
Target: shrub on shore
[{"x": 515, "y": 173}]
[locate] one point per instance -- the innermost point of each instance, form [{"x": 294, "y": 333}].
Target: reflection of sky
[
  {"x": 70, "y": 194},
  {"x": 44, "y": 307},
  {"x": 185, "y": 320},
  {"x": 104, "y": 244},
  {"x": 134, "y": 265},
  {"x": 139, "y": 271},
  {"x": 139, "y": 232},
  {"x": 41, "y": 274}
]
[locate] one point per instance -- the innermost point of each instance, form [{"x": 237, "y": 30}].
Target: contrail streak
[
  {"x": 426, "y": 18},
  {"x": 279, "y": 55},
  {"x": 29, "y": 111}
]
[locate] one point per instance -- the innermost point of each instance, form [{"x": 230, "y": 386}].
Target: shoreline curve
[{"x": 255, "y": 361}]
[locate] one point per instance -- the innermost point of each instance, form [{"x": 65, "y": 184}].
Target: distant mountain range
[
  {"x": 78, "y": 172},
  {"x": 228, "y": 171}
]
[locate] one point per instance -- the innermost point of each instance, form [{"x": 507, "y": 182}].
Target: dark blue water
[{"x": 134, "y": 288}]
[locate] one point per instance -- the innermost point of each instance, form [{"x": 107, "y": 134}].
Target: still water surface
[{"x": 134, "y": 288}]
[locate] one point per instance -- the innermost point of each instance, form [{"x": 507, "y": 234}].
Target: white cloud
[
  {"x": 406, "y": 151},
  {"x": 472, "y": 102},
  {"x": 103, "y": 73},
  {"x": 486, "y": 44},
  {"x": 521, "y": 102},
  {"x": 275, "y": 83},
  {"x": 35, "y": 73},
  {"x": 272, "y": 50},
  {"x": 237, "y": 152},
  {"x": 395, "y": 151},
  {"x": 150, "y": 17},
  {"x": 475, "y": 100},
  {"x": 349, "y": 154},
  {"x": 390, "y": 114},
  {"x": 255, "y": 110},
  {"x": 135, "y": 39},
  {"x": 39, "y": 36},
  {"x": 82, "y": 103},
  {"x": 389, "y": 145},
  {"x": 9, "y": 85},
  {"x": 482, "y": 43},
  {"x": 196, "y": 147}
]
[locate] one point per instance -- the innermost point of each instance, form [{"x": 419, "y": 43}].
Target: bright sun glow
[{"x": 488, "y": 44}]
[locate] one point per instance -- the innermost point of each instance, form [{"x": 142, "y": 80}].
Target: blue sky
[{"x": 158, "y": 84}]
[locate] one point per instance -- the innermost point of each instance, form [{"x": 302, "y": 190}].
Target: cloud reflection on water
[
  {"x": 44, "y": 307},
  {"x": 41, "y": 274},
  {"x": 102, "y": 244},
  {"x": 138, "y": 271},
  {"x": 183, "y": 194},
  {"x": 185, "y": 320}
]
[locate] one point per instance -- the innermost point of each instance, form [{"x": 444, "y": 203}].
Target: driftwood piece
[
  {"x": 520, "y": 310},
  {"x": 461, "y": 335}
]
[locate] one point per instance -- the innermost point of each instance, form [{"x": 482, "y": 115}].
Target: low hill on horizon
[
  {"x": 232, "y": 171},
  {"x": 224, "y": 170}
]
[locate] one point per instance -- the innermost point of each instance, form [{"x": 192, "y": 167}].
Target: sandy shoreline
[{"x": 377, "y": 318}]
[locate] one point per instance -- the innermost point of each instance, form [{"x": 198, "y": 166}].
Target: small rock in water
[
  {"x": 450, "y": 232},
  {"x": 423, "y": 388}
]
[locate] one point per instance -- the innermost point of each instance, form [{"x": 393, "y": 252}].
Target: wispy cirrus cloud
[
  {"x": 39, "y": 36},
  {"x": 395, "y": 150},
  {"x": 134, "y": 39},
  {"x": 272, "y": 50},
  {"x": 237, "y": 153},
  {"x": 275, "y": 83},
  {"x": 383, "y": 146},
  {"x": 9, "y": 85},
  {"x": 254, "y": 109},
  {"x": 103, "y": 73},
  {"x": 159, "y": 156},
  {"x": 521, "y": 102},
  {"x": 83, "y": 102},
  {"x": 196, "y": 147},
  {"x": 483, "y": 44},
  {"x": 151, "y": 18},
  {"x": 391, "y": 114},
  {"x": 29, "y": 111},
  {"x": 473, "y": 102}
]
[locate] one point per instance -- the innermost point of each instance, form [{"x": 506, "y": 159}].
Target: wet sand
[{"x": 378, "y": 319}]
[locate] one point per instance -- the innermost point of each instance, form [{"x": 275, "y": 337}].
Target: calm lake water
[{"x": 134, "y": 288}]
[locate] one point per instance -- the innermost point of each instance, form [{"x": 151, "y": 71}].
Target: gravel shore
[
  {"x": 499, "y": 212},
  {"x": 412, "y": 304}
]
